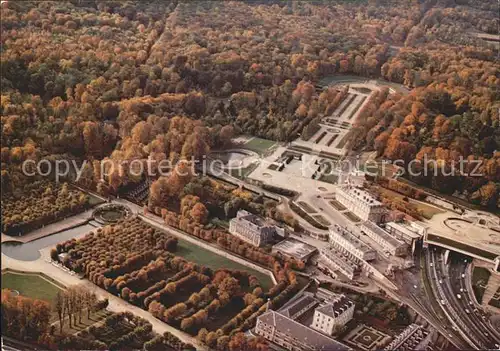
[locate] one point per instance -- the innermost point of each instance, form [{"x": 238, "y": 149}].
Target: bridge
[{"x": 473, "y": 251}]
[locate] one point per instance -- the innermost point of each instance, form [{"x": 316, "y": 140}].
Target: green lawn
[
  {"x": 259, "y": 145},
  {"x": 194, "y": 253},
  {"x": 321, "y": 220},
  {"x": 31, "y": 285},
  {"x": 338, "y": 206}
]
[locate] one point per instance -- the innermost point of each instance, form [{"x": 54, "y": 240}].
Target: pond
[{"x": 30, "y": 251}]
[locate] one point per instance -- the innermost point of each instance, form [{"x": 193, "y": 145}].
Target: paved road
[
  {"x": 453, "y": 334},
  {"x": 475, "y": 318},
  {"x": 453, "y": 305}
]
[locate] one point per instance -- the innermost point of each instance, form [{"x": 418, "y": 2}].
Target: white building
[
  {"x": 329, "y": 318},
  {"x": 347, "y": 241},
  {"x": 253, "y": 229},
  {"x": 404, "y": 232},
  {"x": 361, "y": 203},
  {"x": 390, "y": 243},
  {"x": 335, "y": 260},
  {"x": 295, "y": 248},
  {"x": 293, "y": 336}
]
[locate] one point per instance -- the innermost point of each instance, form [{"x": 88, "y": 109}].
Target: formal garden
[
  {"x": 40, "y": 203},
  {"x": 140, "y": 264}
]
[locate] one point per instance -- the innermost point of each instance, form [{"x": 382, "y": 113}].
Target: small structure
[
  {"x": 62, "y": 256},
  {"x": 295, "y": 248},
  {"x": 253, "y": 229},
  {"x": 111, "y": 213},
  {"x": 330, "y": 318}
]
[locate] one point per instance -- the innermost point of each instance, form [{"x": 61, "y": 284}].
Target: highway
[
  {"x": 446, "y": 283},
  {"x": 457, "y": 276},
  {"x": 438, "y": 318}
]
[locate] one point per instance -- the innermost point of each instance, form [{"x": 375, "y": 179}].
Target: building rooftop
[
  {"x": 303, "y": 334},
  {"x": 405, "y": 229},
  {"x": 295, "y": 248},
  {"x": 305, "y": 301},
  {"x": 336, "y": 308},
  {"x": 251, "y": 218},
  {"x": 340, "y": 259},
  {"x": 351, "y": 237},
  {"x": 386, "y": 236},
  {"x": 361, "y": 195},
  {"x": 408, "y": 339}
]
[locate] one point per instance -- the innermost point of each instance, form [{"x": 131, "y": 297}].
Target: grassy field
[
  {"x": 259, "y": 145},
  {"x": 94, "y": 201},
  {"x": 192, "y": 252},
  {"x": 242, "y": 173},
  {"x": 30, "y": 285}
]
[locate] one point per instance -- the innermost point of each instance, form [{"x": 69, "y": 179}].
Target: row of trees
[
  {"x": 24, "y": 318},
  {"x": 73, "y": 302},
  {"x": 39, "y": 203}
]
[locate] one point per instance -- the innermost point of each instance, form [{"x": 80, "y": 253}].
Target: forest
[{"x": 121, "y": 81}]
